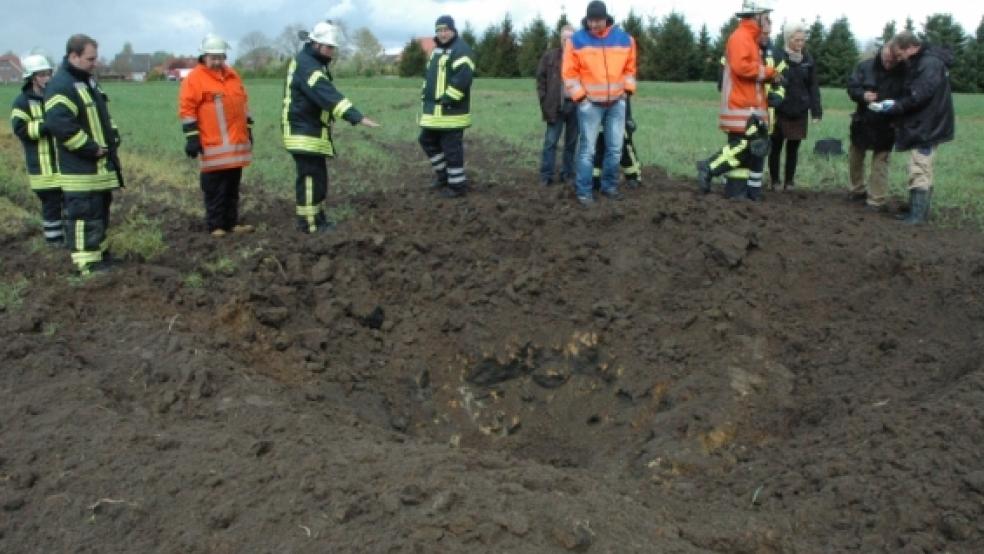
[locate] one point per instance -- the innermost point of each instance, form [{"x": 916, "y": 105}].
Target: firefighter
[
  {"x": 27, "y": 122},
  {"x": 214, "y": 112},
  {"x": 77, "y": 116},
  {"x": 744, "y": 109},
  {"x": 311, "y": 106},
  {"x": 446, "y": 99},
  {"x": 629, "y": 162}
]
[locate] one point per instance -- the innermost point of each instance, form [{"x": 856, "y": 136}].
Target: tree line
[{"x": 683, "y": 55}]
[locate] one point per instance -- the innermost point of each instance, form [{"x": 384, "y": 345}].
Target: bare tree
[
  {"x": 288, "y": 42},
  {"x": 367, "y": 52},
  {"x": 255, "y": 51}
]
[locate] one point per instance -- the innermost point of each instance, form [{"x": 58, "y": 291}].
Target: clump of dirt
[{"x": 508, "y": 372}]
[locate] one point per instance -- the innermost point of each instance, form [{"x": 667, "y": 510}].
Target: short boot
[
  {"x": 918, "y": 207},
  {"x": 454, "y": 191},
  {"x": 440, "y": 181},
  {"x": 754, "y": 193}
]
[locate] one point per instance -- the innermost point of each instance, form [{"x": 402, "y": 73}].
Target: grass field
[{"x": 677, "y": 125}]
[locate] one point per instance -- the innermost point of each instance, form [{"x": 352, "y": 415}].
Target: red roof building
[{"x": 10, "y": 69}]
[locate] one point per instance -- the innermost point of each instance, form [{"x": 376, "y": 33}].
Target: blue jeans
[
  {"x": 591, "y": 119},
  {"x": 566, "y": 123}
]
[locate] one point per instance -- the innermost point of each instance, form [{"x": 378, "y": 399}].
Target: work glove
[
  {"x": 193, "y": 146},
  {"x": 883, "y": 107},
  {"x": 630, "y": 125},
  {"x": 249, "y": 129}
]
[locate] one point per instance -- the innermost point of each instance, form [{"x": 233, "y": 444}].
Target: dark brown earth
[{"x": 504, "y": 373}]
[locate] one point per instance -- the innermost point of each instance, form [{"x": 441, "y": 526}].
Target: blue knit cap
[{"x": 445, "y": 21}]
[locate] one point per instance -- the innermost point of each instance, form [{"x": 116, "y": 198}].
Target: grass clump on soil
[
  {"x": 139, "y": 237},
  {"x": 194, "y": 280},
  {"x": 12, "y": 294},
  {"x": 221, "y": 266}
]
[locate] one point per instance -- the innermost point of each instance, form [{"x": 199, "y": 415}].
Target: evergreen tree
[
  {"x": 815, "y": 38},
  {"x": 646, "y": 68},
  {"x": 941, "y": 30},
  {"x": 707, "y": 65},
  {"x": 974, "y": 61},
  {"x": 562, "y": 21},
  {"x": 533, "y": 42},
  {"x": 888, "y": 32},
  {"x": 507, "y": 50},
  {"x": 634, "y": 27},
  {"x": 468, "y": 35},
  {"x": 486, "y": 55},
  {"x": 909, "y": 25},
  {"x": 677, "y": 52},
  {"x": 413, "y": 60},
  {"x": 840, "y": 55}
]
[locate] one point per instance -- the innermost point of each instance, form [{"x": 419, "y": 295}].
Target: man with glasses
[
  {"x": 27, "y": 122},
  {"x": 744, "y": 114}
]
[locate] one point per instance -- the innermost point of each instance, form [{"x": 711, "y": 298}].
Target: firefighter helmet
[
  {"x": 325, "y": 33},
  {"x": 754, "y": 7},
  {"x": 33, "y": 64},
  {"x": 213, "y": 44}
]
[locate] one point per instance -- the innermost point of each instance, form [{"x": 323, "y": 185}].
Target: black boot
[
  {"x": 440, "y": 181},
  {"x": 736, "y": 189},
  {"x": 918, "y": 207},
  {"x": 454, "y": 191},
  {"x": 754, "y": 193},
  {"x": 704, "y": 176}
]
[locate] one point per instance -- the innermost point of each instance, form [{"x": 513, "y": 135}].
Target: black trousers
[
  {"x": 52, "y": 216},
  {"x": 310, "y": 191},
  {"x": 792, "y": 157},
  {"x": 86, "y": 225},
  {"x": 446, "y": 151},
  {"x": 221, "y": 190}
]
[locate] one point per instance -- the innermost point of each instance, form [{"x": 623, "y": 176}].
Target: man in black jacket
[
  {"x": 446, "y": 105},
  {"x": 559, "y": 112},
  {"x": 925, "y": 115},
  {"x": 875, "y": 79},
  {"x": 77, "y": 116},
  {"x": 311, "y": 106}
]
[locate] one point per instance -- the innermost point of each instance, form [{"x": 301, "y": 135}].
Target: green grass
[
  {"x": 139, "y": 237},
  {"x": 12, "y": 294},
  {"x": 222, "y": 265},
  {"x": 677, "y": 125},
  {"x": 194, "y": 280}
]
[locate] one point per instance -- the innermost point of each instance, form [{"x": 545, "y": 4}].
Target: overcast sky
[{"x": 178, "y": 25}]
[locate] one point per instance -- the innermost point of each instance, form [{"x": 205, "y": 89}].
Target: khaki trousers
[
  {"x": 877, "y": 181},
  {"x": 920, "y": 168}
]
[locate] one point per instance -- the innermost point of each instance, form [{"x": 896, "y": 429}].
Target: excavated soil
[{"x": 506, "y": 372}]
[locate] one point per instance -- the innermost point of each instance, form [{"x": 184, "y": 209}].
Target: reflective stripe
[
  {"x": 79, "y": 235},
  {"x": 729, "y": 155},
  {"x": 455, "y": 93},
  {"x": 437, "y": 158},
  {"x": 229, "y": 161},
  {"x": 63, "y": 100},
  {"x": 34, "y": 130},
  {"x": 46, "y": 159},
  {"x": 220, "y": 115},
  {"x": 303, "y": 143},
  {"x": 85, "y": 182},
  {"x": 442, "y": 77},
  {"x": 437, "y": 121},
  {"x": 313, "y": 79},
  {"x": 42, "y": 182},
  {"x": 462, "y": 61},
  {"x": 77, "y": 140},
  {"x": 284, "y": 121},
  {"x": 739, "y": 173},
  {"x": 343, "y": 106},
  {"x": 633, "y": 169},
  {"x": 17, "y": 113},
  {"x": 188, "y": 120},
  {"x": 209, "y": 151}
]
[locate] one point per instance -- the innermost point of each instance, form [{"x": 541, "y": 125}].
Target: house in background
[{"x": 10, "y": 69}]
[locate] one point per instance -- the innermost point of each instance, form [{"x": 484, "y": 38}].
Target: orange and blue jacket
[
  {"x": 743, "y": 91},
  {"x": 601, "y": 68},
  {"x": 213, "y": 104}
]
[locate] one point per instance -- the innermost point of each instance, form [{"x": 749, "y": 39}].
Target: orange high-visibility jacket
[
  {"x": 601, "y": 68},
  {"x": 215, "y": 104},
  {"x": 743, "y": 84}
]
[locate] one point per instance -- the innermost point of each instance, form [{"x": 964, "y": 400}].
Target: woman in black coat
[{"x": 802, "y": 100}]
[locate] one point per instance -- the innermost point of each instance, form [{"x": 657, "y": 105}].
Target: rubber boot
[
  {"x": 736, "y": 189},
  {"x": 440, "y": 181},
  {"x": 754, "y": 193},
  {"x": 918, "y": 207}
]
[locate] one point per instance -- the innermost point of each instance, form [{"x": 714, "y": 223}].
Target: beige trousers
[
  {"x": 877, "y": 181},
  {"x": 921, "y": 169}
]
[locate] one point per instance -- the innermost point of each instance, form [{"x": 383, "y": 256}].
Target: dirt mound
[{"x": 508, "y": 372}]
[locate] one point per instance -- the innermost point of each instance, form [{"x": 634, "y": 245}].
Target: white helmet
[
  {"x": 754, "y": 7},
  {"x": 325, "y": 33},
  {"x": 213, "y": 44},
  {"x": 33, "y": 64}
]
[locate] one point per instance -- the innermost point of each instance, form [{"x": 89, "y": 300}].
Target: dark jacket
[
  {"x": 550, "y": 85},
  {"x": 446, "y": 95},
  {"x": 76, "y": 113},
  {"x": 926, "y": 104},
  {"x": 870, "y": 130},
  {"x": 312, "y": 104},
  {"x": 802, "y": 89},
  {"x": 27, "y": 122}
]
